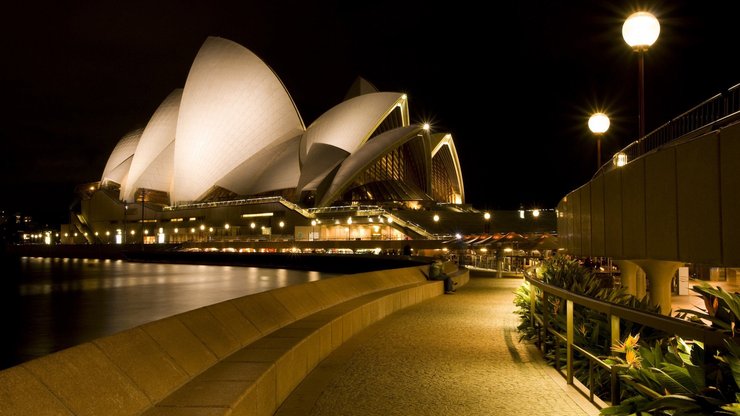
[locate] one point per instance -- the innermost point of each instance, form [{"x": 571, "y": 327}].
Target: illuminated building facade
[{"x": 230, "y": 150}]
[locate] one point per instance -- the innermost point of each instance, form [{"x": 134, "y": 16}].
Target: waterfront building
[{"x": 228, "y": 157}]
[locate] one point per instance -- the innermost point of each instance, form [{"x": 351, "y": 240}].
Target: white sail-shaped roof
[
  {"x": 119, "y": 161},
  {"x": 438, "y": 141},
  {"x": 158, "y": 135},
  {"x": 158, "y": 175},
  {"x": 350, "y": 123},
  {"x": 341, "y": 131},
  {"x": 233, "y": 106},
  {"x": 357, "y": 162},
  {"x": 273, "y": 168}
]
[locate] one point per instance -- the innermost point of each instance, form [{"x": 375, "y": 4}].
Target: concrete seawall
[{"x": 242, "y": 356}]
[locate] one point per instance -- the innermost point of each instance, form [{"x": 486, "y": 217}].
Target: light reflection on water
[{"x": 54, "y": 303}]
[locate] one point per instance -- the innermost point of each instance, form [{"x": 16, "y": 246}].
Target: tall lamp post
[
  {"x": 640, "y": 31},
  {"x": 598, "y": 124}
]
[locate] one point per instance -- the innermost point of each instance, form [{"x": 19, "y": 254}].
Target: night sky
[{"x": 514, "y": 87}]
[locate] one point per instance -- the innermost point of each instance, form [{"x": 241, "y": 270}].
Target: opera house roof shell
[{"x": 234, "y": 131}]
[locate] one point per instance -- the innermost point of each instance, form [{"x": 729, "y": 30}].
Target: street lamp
[
  {"x": 487, "y": 218},
  {"x": 640, "y": 31},
  {"x": 598, "y": 124}
]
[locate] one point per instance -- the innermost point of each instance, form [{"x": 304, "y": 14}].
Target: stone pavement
[{"x": 452, "y": 355}]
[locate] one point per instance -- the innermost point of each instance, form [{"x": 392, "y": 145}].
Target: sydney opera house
[{"x": 228, "y": 157}]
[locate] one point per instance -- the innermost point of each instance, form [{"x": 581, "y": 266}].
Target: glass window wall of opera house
[{"x": 229, "y": 158}]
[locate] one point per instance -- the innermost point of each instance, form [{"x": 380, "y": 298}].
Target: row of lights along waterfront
[{"x": 159, "y": 235}]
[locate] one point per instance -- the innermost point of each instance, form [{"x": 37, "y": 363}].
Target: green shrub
[
  {"x": 591, "y": 328},
  {"x": 675, "y": 377}
]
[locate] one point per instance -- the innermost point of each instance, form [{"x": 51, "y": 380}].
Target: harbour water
[{"x": 49, "y": 304}]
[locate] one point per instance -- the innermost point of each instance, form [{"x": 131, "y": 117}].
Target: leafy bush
[
  {"x": 675, "y": 377},
  {"x": 592, "y": 328},
  {"x": 722, "y": 308},
  {"x": 681, "y": 378}
]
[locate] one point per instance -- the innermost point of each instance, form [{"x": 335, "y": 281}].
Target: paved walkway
[{"x": 452, "y": 355}]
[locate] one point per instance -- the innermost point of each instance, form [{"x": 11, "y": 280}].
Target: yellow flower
[
  {"x": 629, "y": 344},
  {"x": 632, "y": 359}
]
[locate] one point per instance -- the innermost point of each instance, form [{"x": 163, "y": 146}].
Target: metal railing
[
  {"x": 365, "y": 210},
  {"x": 238, "y": 202},
  {"x": 704, "y": 114},
  {"x": 614, "y": 312},
  {"x": 295, "y": 207}
]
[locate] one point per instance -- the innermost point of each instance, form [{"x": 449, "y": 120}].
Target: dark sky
[{"x": 515, "y": 85}]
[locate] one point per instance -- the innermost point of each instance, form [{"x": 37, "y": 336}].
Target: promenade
[{"x": 452, "y": 355}]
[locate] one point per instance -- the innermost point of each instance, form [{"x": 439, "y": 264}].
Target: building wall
[{"x": 680, "y": 202}]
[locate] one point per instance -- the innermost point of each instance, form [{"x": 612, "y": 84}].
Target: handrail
[
  {"x": 236, "y": 202},
  {"x": 685, "y": 329},
  {"x": 704, "y": 114},
  {"x": 295, "y": 207}
]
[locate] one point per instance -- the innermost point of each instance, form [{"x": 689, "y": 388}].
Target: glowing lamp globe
[
  {"x": 641, "y": 30},
  {"x": 598, "y": 123}
]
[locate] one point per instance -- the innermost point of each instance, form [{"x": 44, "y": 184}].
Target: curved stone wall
[{"x": 244, "y": 355}]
